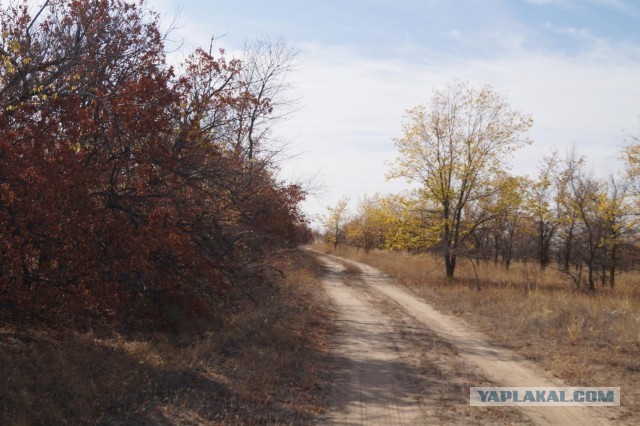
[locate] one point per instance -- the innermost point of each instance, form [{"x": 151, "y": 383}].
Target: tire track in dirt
[
  {"x": 389, "y": 369},
  {"x": 371, "y": 383},
  {"x": 501, "y": 366}
]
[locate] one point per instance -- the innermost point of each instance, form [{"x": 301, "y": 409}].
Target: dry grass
[
  {"x": 263, "y": 364},
  {"x": 585, "y": 339}
]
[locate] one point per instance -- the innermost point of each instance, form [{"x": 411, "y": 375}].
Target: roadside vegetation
[
  {"x": 585, "y": 339},
  {"x": 148, "y": 264},
  {"x": 262, "y": 361}
]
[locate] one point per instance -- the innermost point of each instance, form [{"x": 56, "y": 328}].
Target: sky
[{"x": 573, "y": 65}]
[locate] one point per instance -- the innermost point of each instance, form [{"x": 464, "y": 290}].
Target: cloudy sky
[{"x": 573, "y": 65}]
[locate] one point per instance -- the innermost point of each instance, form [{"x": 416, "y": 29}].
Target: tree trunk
[
  {"x": 612, "y": 268},
  {"x": 568, "y": 248},
  {"x": 603, "y": 271},
  {"x": 545, "y": 241},
  {"x": 592, "y": 286},
  {"x": 450, "y": 264}
]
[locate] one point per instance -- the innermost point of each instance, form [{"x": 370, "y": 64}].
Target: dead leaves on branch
[{"x": 123, "y": 191}]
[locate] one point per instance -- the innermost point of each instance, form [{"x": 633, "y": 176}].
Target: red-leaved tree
[{"x": 123, "y": 194}]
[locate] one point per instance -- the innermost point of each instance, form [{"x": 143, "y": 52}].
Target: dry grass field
[
  {"x": 584, "y": 339},
  {"x": 263, "y": 363}
]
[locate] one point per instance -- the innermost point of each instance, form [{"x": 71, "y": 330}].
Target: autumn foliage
[
  {"x": 467, "y": 206},
  {"x": 127, "y": 190}
]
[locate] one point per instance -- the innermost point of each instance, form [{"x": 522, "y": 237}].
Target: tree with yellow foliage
[
  {"x": 541, "y": 201},
  {"x": 366, "y": 228},
  {"x": 334, "y": 222},
  {"x": 453, "y": 149},
  {"x": 503, "y": 213}
]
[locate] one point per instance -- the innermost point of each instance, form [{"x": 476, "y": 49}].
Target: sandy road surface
[{"x": 374, "y": 385}]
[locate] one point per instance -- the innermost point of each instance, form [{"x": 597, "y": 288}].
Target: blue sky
[
  {"x": 380, "y": 27},
  {"x": 574, "y": 65}
]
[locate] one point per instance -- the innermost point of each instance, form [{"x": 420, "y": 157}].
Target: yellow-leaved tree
[
  {"x": 408, "y": 222},
  {"x": 453, "y": 149},
  {"x": 334, "y": 222},
  {"x": 366, "y": 230}
]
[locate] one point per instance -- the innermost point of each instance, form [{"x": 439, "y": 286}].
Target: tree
[
  {"x": 582, "y": 197},
  {"x": 569, "y": 171},
  {"x": 601, "y": 228},
  {"x": 453, "y": 149},
  {"x": 505, "y": 210},
  {"x": 366, "y": 228},
  {"x": 266, "y": 67},
  {"x": 541, "y": 205},
  {"x": 119, "y": 194},
  {"x": 334, "y": 222},
  {"x": 618, "y": 225}
]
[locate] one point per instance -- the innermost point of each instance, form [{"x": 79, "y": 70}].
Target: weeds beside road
[{"x": 263, "y": 363}]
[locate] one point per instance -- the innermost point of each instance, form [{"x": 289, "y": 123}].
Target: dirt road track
[
  {"x": 372, "y": 384},
  {"x": 375, "y": 388}
]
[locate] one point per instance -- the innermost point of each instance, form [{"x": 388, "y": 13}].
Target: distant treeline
[{"x": 467, "y": 205}]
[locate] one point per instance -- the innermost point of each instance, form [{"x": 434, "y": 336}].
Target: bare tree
[{"x": 267, "y": 65}]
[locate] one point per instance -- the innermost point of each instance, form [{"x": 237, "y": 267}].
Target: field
[
  {"x": 262, "y": 363},
  {"x": 584, "y": 339}
]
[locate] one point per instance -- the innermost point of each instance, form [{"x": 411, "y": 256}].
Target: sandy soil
[
  {"x": 371, "y": 383},
  {"x": 401, "y": 361}
]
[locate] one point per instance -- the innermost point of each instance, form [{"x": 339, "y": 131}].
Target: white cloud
[
  {"x": 352, "y": 104},
  {"x": 353, "y": 107}
]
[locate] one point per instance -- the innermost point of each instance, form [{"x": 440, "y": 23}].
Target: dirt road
[
  {"x": 385, "y": 371},
  {"x": 372, "y": 384}
]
